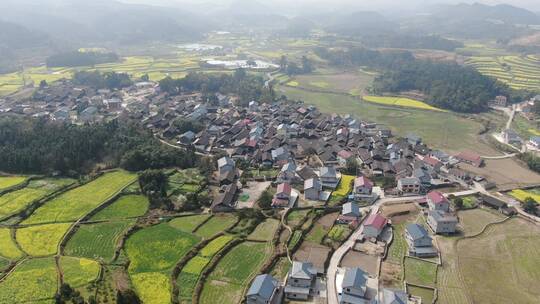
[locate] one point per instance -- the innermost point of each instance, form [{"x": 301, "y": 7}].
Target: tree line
[
  {"x": 78, "y": 58},
  {"x": 40, "y": 146},
  {"x": 446, "y": 85},
  {"x": 246, "y": 86},
  {"x": 98, "y": 80}
]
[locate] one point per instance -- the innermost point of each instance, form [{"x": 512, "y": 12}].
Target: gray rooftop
[
  {"x": 301, "y": 270},
  {"x": 394, "y": 296},
  {"x": 351, "y": 208},
  {"x": 416, "y": 231},
  {"x": 355, "y": 278},
  {"x": 263, "y": 286}
]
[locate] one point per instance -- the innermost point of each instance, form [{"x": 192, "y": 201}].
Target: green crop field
[
  {"x": 127, "y": 206},
  {"x": 32, "y": 281},
  {"x": 41, "y": 240},
  {"x": 519, "y": 72},
  {"x": 152, "y": 287},
  {"x": 76, "y": 203},
  {"x": 79, "y": 272},
  {"x": 184, "y": 181},
  {"x": 188, "y": 223},
  {"x": 401, "y": 102},
  {"x": 427, "y": 294},
  {"x": 265, "y": 231},
  {"x": 420, "y": 272},
  {"x": 97, "y": 241},
  {"x": 216, "y": 224},
  {"x": 158, "y": 248},
  {"x": 296, "y": 216},
  {"x": 16, "y": 201},
  {"x": 339, "y": 233},
  {"x": 8, "y": 248},
  {"x": 226, "y": 283},
  {"x": 187, "y": 280},
  {"x": 522, "y": 195},
  {"x": 439, "y": 130},
  {"x": 10, "y": 181}
]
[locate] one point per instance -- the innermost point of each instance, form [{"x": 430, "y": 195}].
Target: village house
[
  {"x": 500, "y": 101},
  {"x": 409, "y": 185},
  {"x": 350, "y": 214},
  {"x": 329, "y": 177},
  {"x": 354, "y": 287},
  {"x": 225, "y": 200},
  {"x": 492, "y": 202},
  {"x": 288, "y": 173},
  {"x": 300, "y": 281},
  {"x": 470, "y": 158},
  {"x": 394, "y": 296},
  {"x": 442, "y": 222},
  {"x": 437, "y": 202},
  {"x": 374, "y": 225},
  {"x": 419, "y": 241},
  {"x": 312, "y": 189},
  {"x": 283, "y": 196},
  {"x": 263, "y": 290}
]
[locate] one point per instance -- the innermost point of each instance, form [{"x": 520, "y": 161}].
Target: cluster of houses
[{"x": 355, "y": 286}]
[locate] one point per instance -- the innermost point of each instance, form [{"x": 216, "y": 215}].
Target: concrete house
[
  {"x": 354, "y": 287},
  {"x": 374, "y": 225},
  {"x": 299, "y": 282},
  {"x": 312, "y": 189},
  {"x": 263, "y": 290},
  {"x": 441, "y": 222},
  {"x": 329, "y": 177},
  {"x": 363, "y": 186},
  {"x": 282, "y": 196},
  {"x": 437, "y": 202},
  {"x": 392, "y": 296},
  {"x": 408, "y": 185},
  {"x": 419, "y": 241},
  {"x": 287, "y": 173},
  {"x": 225, "y": 164}
]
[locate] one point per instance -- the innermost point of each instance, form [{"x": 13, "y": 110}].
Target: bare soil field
[
  {"x": 358, "y": 259},
  {"x": 505, "y": 173},
  {"x": 473, "y": 221},
  {"x": 398, "y": 209},
  {"x": 391, "y": 275},
  {"x": 501, "y": 265},
  {"x": 313, "y": 253}
]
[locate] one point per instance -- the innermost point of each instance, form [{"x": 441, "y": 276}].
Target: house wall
[
  {"x": 299, "y": 283},
  {"x": 311, "y": 194},
  {"x": 371, "y": 232},
  {"x": 439, "y": 207},
  {"x": 354, "y": 291},
  {"x": 442, "y": 227}
]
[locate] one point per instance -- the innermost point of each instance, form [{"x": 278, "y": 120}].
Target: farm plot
[
  {"x": 187, "y": 280},
  {"x": 41, "y": 240},
  {"x": 79, "y": 272},
  {"x": 265, "y": 231},
  {"x": 513, "y": 249},
  {"x": 228, "y": 280},
  {"x": 127, "y": 206},
  {"x": 188, "y": 223},
  {"x": 158, "y": 248},
  {"x": 296, "y": 216},
  {"x": 152, "y": 287},
  {"x": 97, "y": 241},
  {"x": 401, "y": 102},
  {"x": 184, "y": 181},
  {"x": 10, "y": 181},
  {"x": 473, "y": 221},
  {"x": 321, "y": 228},
  {"x": 420, "y": 272},
  {"x": 34, "y": 280},
  {"x": 351, "y": 82},
  {"x": 76, "y": 203},
  {"x": 519, "y": 72},
  {"x": 14, "y": 202},
  {"x": 8, "y": 248},
  {"x": 522, "y": 195},
  {"x": 343, "y": 189},
  {"x": 216, "y": 224}
]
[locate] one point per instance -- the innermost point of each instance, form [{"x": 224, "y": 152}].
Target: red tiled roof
[
  {"x": 376, "y": 220},
  {"x": 469, "y": 156},
  {"x": 436, "y": 197},
  {"x": 431, "y": 161}
]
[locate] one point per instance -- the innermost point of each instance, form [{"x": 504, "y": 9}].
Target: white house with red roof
[
  {"x": 363, "y": 186},
  {"x": 432, "y": 163},
  {"x": 437, "y": 202},
  {"x": 283, "y": 196},
  {"x": 374, "y": 225}
]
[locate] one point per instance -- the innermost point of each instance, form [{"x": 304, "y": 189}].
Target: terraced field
[
  {"x": 520, "y": 72},
  {"x": 8, "y": 248},
  {"x": 10, "y": 181},
  {"x": 79, "y": 272},
  {"x": 41, "y": 240},
  {"x": 97, "y": 241},
  {"x": 74, "y": 204},
  {"x": 401, "y": 102},
  {"x": 32, "y": 281},
  {"x": 127, "y": 206},
  {"x": 14, "y": 202},
  {"x": 216, "y": 224},
  {"x": 229, "y": 279}
]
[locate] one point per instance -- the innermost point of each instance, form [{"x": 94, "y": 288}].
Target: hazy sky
[{"x": 365, "y": 4}]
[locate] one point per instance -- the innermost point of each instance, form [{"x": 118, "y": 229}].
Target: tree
[
  {"x": 529, "y": 205},
  {"x": 265, "y": 201},
  {"x": 127, "y": 297},
  {"x": 352, "y": 166},
  {"x": 43, "y": 84},
  {"x": 307, "y": 66},
  {"x": 458, "y": 203},
  {"x": 153, "y": 184},
  {"x": 283, "y": 63},
  {"x": 145, "y": 77}
]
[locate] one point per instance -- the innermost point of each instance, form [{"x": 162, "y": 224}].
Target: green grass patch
[
  {"x": 152, "y": 287},
  {"x": 127, "y": 206},
  {"x": 8, "y": 248},
  {"x": 186, "y": 283},
  {"x": 339, "y": 233},
  {"x": 10, "y": 181},
  {"x": 188, "y": 223},
  {"x": 216, "y": 224},
  {"x": 215, "y": 246},
  {"x": 76, "y": 203},
  {"x": 32, "y": 281},
  {"x": 41, "y": 240},
  {"x": 317, "y": 234},
  {"x": 14, "y": 202},
  {"x": 79, "y": 272},
  {"x": 295, "y": 238},
  {"x": 97, "y": 241},
  {"x": 397, "y": 249},
  {"x": 420, "y": 272},
  {"x": 296, "y": 216},
  {"x": 158, "y": 248},
  {"x": 426, "y": 294},
  {"x": 265, "y": 230}
]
